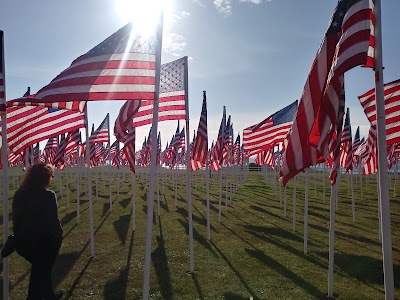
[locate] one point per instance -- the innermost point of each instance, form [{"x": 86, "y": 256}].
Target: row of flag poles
[{"x": 307, "y": 132}]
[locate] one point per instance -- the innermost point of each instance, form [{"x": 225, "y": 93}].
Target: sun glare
[{"x": 145, "y": 13}]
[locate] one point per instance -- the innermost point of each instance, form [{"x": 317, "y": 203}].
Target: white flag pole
[
  {"x": 294, "y": 204},
  {"x": 221, "y": 162},
  {"x": 332, "y": 212},
  {"x": 133, "y": 201},
  {"x": 153, "y": 166},
  {"x": 4, "y": 159},
  {"x": 78, "y": 185},
  {"x": 208, "y": 196},
  {"x": 306, "y": 213},
  {"x": 89, "y": 181},
  {"x": 353, "y": 203},
  {"x": 188, "y": 179},
  {"x": 382, "y": 159}
]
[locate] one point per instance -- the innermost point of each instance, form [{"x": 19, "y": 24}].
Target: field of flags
[{"x": 311, "y": 135}]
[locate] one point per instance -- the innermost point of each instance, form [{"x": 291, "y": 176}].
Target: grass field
[{"x": 253, "y": 252}]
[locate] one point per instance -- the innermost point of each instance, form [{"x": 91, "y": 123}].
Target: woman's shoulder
[{"x": 50, "y": 192}]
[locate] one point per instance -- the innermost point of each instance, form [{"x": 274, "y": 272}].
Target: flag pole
[
  {"x": 382, "y": 159},
  {"x": 188, "y": 179},
  {"x": 89, "y": 175},
  {"x": 4, "y": 159},
  {"x": 221, "y": 163},
  {"x": 306, "y": 213},
  {"x": 153, "y": 166}
]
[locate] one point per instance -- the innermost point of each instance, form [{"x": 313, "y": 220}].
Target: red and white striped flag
[
  {"x": 346, "y": 150},
  {"x": 101, "y": 133},
  {"x": 392, "y": 110},
  {"x": 347, "y": 43},
  {"x": 125, "y": 132},
  {"x": 171, "y": 98},
  {"x": 216, "y": 152},
  {"x": 271, "y": 131},
  {"x": 200, "y": 145},
  {"x": 122, "y": 67},
  {"x": 356, "y": 144}
]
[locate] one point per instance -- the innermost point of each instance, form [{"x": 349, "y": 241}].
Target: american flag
[
  {"x": 361, "y": 151},
  {"x": 347, "y": 43},
  {"x": 356, "y": 144},
  {"x": 271, "y": 131},
  {"x": 182, "y": 138},
  {"x": 35, "y": 153},
  {"x": 101, "y": 133},
  {"x": 125, "y": 132},
  {"x": 74, "y": 141},
  {"x": 236, "y": 150},
  {"x": 31, "y": 124},
  {"x": 122, "y": 67},
  {"x": 370, "y": 165},
  {"x": 217, "y": 150},
  {"x": 50, "y": 149},
  {"x": 171, "y": 98},
  {"x": 269, "y": 158},
  {"x": 200, "y": 145},
  {"x": 59, "y": 158},
  {"x": 114, "y": 154},
  {"x": 2, "y": 81},
  {"x": 392, "y": 110},
  {"x": 346, "y": 151},
  {"x": 129, "y": 148}
]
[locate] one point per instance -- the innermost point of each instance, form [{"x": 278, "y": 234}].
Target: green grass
[{"x": 253, "y": 252}]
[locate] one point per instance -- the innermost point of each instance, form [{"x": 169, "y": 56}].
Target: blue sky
[{"x": 252, "y": 56}]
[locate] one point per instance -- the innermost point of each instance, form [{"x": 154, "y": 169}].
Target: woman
[{"x": 37, "y": 229}]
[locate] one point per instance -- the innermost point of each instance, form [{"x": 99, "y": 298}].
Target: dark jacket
[{"x": 35, "y": 215}]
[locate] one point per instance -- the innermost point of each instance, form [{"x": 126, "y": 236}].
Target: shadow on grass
[
  {"x": 144, "y": 208},
  {"x": 164, "y": 204},
  {"x": 116, "y": 288},
  {"x": 68, "y": 218},
  {"x": 198, "y": 288},
  {"x": 281, "y": 269},
  {"x": 366, "y": 269},
  {"x": 160, "y": 262},
  {"x": 232, "y": 296},
  {"x": 239, "y": 276},
  {"x": 121, "y": 226},
  {"x": 77, "y": 279},
  {"x": 125, "y": 202},
  {"x": 198, "y": 237},
  {"x": 201, "y": 221}
]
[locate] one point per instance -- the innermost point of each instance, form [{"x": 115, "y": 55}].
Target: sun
[{"x": 145, "y": 13}]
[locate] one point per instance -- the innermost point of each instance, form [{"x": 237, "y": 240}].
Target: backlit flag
[
  {"x": 50, "y": 149},
  {"x": 346, "y": 152},
  {"x": 271, "y": 131},
  {"x": 171, "y": 98},
  {"x": 59, "y": 158},
  {"x": 200, "y": 146},
  {"x": 31, "y": 124},
  {"x": 74, "y": 140},
  {"x": 392, "y": 110},
  {"x": 216, "y": 152},
  {"x": 2, "y": 85},
  {"x": 125, "y": 132},
  {"x": 101, "y": 133},
  {"x": 347, "y": 43},
  {"x": 356, "y": 144},
  {"x": 236, "y": 150},
  {"x": 122, "y": 67}
]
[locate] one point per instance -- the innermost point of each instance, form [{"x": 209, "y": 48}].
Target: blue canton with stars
[
  {"x": 341, "y": 9},
  {"x": 172, "y": 76}
]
